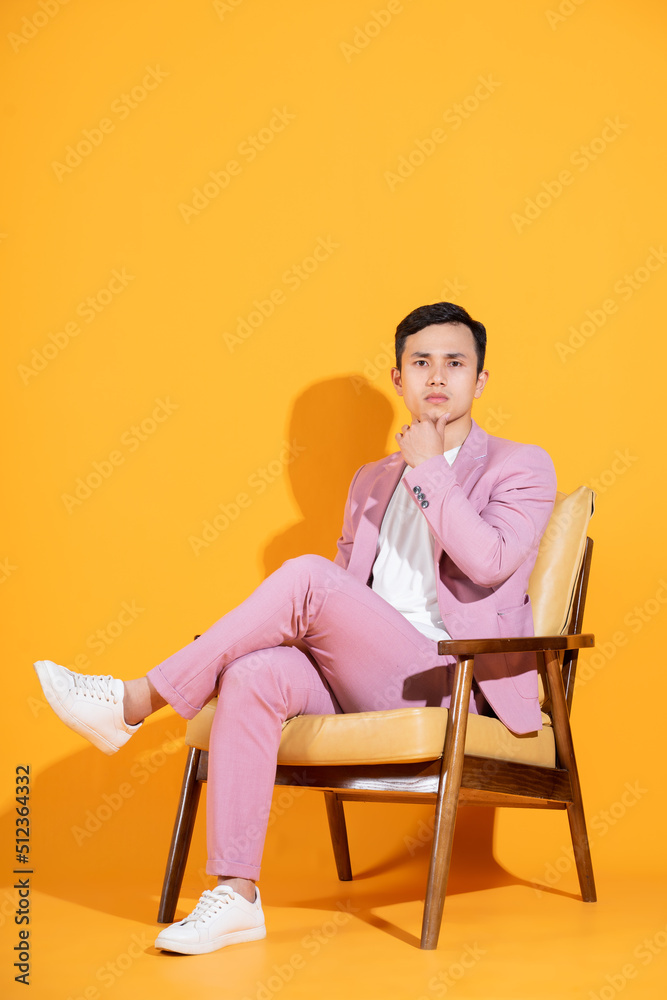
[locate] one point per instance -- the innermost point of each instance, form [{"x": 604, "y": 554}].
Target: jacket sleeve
[
  {"x": 342, "y": 557},
  {"x": 488, "y": 545}
]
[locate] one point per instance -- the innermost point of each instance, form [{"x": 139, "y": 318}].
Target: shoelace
[
  {"x": 209, "y": 904},
  {"x": 96, "y": 686}
]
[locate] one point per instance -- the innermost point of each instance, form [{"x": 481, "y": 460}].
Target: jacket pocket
[{"x": 516, "y": 621}]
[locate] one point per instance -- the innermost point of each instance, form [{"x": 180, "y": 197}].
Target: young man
[{"x": 438, "y": 541}]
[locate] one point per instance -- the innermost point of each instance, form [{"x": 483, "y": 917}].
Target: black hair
[{"x": 440, "y": 312}]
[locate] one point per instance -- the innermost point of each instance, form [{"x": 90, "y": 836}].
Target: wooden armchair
[{"x": 442, "y": 755}]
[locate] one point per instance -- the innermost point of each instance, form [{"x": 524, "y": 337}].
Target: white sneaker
[
  {"x": 221, "y": 917},
  {"x": 90, "y": 705}
]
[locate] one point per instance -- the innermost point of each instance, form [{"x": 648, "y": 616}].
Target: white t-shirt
[{"x": 404, "y": 568}]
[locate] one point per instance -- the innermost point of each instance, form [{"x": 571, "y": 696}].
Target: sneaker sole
[
  {"x": 234, "y": 937},
  {"x": 51, "y": 695}
]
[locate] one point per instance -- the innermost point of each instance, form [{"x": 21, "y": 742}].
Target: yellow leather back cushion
[
  {"x": 559, "y": 561},
  {"x": 557, "y": 566}
]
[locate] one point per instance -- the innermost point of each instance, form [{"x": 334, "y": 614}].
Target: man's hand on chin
[{"x": 422, "y": 439}]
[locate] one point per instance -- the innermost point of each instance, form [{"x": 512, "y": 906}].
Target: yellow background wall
[{"x": 507, "y": 157}]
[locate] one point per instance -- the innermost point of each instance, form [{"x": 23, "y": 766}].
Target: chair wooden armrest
[{"x": 525, "y": 644}]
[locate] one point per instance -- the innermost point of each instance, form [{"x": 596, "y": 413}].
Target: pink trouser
[{"x": 364, "y": 656}]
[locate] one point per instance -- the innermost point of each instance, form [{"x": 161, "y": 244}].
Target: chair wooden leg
[
  {"x": 181, "y": 838},
  {"x": 447, "y": 803},
  {"x": 338, "y": 828},
  {"x": 582, "y": 852},
  {"x": 575, "y": 810}
]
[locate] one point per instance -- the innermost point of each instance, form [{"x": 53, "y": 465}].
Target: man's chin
[{"x": 434, "y": 410}]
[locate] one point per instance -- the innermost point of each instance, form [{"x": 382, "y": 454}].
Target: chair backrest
[
  {"x": 554, "y": 576},
  {"x": 559, "y": 561}
]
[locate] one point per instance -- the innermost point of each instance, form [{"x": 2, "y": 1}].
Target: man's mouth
[{"x": 436, "y": 397}]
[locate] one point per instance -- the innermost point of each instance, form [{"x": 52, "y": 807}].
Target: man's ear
[
  {"x": 396, "y": 379},
  {"x": 482, "y": 379}
]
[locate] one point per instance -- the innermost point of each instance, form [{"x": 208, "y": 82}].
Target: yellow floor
[
  {"x": 505, "y": 942},
  {"x": 504, "y": 936}
]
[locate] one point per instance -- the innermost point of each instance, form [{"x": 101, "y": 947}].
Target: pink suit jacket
[{"x": 487, "y": 513}]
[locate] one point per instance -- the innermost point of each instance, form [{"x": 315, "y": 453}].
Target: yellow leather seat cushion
[{"x": 397, "y": 735}]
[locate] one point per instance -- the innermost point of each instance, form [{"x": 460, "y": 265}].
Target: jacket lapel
[
  {"x": 375, "y": 505},
  {"x": 473, "y": 451}
]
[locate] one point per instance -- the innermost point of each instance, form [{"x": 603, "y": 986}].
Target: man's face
[{"x": 439, "y": 373}]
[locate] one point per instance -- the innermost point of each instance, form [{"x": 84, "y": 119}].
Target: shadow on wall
[{"x": 340, "y": 424}]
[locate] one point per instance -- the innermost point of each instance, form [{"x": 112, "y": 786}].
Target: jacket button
[
  {"x": 416, "y": 489},
  {"x": 421, "y": 496},
  {"x": 424, "y": 504}
]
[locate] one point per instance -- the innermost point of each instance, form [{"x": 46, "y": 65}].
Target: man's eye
[
  {"x": 458, "y": 363},
  {"x": 420, "y": 361}
]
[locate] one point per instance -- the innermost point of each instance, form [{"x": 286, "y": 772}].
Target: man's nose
[{"x": 438, "y": 375}]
